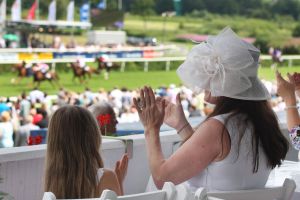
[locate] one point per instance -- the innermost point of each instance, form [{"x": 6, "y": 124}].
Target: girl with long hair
[
  {"x": 239, "y": 143},
  {"x": 74, "y": 166}
]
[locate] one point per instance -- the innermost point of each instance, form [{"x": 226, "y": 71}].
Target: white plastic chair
[
  {"x": 51, "y": 196},
  {"x": 285, "y": 192},
  {"x": 168, "y": 192}
]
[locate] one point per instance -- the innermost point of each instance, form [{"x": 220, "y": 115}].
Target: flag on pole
[
  {"x": 102, "y": 5},
  {"x": 52, "y": 11},
  {"x": 16, "y": 11},
  {"x": 178, "y": 7},
  {"x": 3, "y": 11},
  {"x": 70, "y": 11},
  {"x": 31, "y": 13},
  {"x": 85, "y": 12}
]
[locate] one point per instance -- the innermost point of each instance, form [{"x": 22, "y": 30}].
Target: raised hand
[
  {"x": 285, "y": 89},
  {"x": 150, "y": 114},
  {"x": 121, "y": 168},
  {"x": 295, "y": 80},
  {"x": 174, "y": 114}
]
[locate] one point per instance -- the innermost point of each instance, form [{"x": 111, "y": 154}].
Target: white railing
[
  {"x": 146, "y": 61},
  {"x": 88, "y": 49},
  {"x": 22, "y": 168}
]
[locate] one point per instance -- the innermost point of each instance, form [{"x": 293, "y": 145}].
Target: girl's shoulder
[
  {"x": 106, "y": 175},
  {"x": 108, "y": 180}
]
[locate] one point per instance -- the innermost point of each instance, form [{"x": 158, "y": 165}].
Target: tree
[
  {"x": 296, "y": 31},
  {"x": 163, "y": 6},
  {"x": 287, "y": 7},
  {"x": 143, "y": 8},
  {"x": 191, "y": 5}
]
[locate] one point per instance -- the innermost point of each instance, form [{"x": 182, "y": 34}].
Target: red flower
[
  {"x": 104, "y": 119},
  {"x": 34, "y": 140},
  {"x": 30, "y": 140},
  {"x": 38, "y": 139}
]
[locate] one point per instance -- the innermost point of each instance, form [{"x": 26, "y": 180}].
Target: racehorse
[
  {"x": 80, "y": 73},
  {"x": 38, "y": 77},
  {"x": 23, "y": 72},
  {"x": 103, "y": 63}
]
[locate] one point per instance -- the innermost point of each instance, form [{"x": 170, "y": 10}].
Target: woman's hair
[
  {"x": 73, "y": 156},
  {"x": 100, "y": 108},
  {"x": 266, "y": 131}
]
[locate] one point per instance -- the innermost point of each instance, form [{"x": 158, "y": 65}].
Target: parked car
[{"x": 142, "y": 41}]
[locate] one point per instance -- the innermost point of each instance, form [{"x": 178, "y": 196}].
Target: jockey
[
  {"x": 28, "y": 67},
  {"x": 44, "y": 68},
  {"x": 107, "y": 64},
  {"x": 81, "y": 63}
]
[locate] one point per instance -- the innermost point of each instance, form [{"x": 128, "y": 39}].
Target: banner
[
  {"x": 52, "y": 11},
  {"x": 70, "y": 11},
  {"x": 31, "y": 13},
  {"x": 3, "y": 11},
  {"x": 85, "y": 12},
  {"x": 16, "y": 11},
  {"x": 102, "y": 5}
]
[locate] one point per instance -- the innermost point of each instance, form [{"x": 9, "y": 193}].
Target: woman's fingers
[
  {"x": 147, "y": 97},
  {"x": 142, "y": 96},
  {"x": 178, "y": 99},
  {"x": 291, "y": 78},
  {"x": 163, "y": 106},
  {"x": 152, "y": 96},
  {"x": 135, "y": 102},
  {"x": 278, "y": 76}
]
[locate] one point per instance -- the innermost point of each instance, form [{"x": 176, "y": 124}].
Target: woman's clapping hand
[{"x": 150, "y": 112}]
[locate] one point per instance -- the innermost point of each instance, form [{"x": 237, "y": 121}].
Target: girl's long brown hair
[
  {"x": 73, "y": 156},
  {"x": 266, "y": 131}
]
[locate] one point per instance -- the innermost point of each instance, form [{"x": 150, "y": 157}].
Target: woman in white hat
[{"x": 239, "y": 143}]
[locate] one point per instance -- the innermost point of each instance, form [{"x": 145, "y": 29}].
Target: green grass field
[{"x": 129, "y": 79}]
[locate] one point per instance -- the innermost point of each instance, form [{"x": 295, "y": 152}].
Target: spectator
[
  {"x": 106, "y": 118},
  {"x": 6, "y": 130},
  {"x": 36, "y": 94},
  {"x": 74, "y": 166},
  {"x": 287, "y": 89},
  {"x": 239, "y": 143},
  {"x": 24, "y": 108},
  {"x": 24, "y": 131},
  {"x": 43, "y": 122},
  {"x": 3, "y": 107}
]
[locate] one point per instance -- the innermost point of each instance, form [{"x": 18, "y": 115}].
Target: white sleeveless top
[
  {"x": 100, "y": 173},
  {"x": 235, "y": 171}
]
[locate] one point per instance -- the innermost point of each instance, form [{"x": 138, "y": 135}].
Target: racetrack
[{"x": 129, "y": 79}]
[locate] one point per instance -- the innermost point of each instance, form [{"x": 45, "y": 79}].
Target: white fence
[
  {"x": 146, "y": 61},
  {"x": 22, "y": 168}
]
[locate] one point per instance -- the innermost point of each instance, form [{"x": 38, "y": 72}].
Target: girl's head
[{"x": 73, "y": 157}]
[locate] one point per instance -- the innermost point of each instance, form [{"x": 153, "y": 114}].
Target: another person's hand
[
  {"x": 174, "y": 114},
  {"x": 121, "y": 168},
  {"x": 150, "y": 115},
  {"x": 295, "y": 79},
  {"x": 286, "y": 89}
]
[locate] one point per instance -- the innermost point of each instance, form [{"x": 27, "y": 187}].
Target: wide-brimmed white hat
[{"x": 226, "y": 66}]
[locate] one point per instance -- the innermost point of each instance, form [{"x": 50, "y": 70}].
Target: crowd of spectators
[{"x": 20, "y": 115}]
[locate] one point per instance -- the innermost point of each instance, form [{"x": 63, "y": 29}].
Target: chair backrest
[
  {"x": 284, "y": 192},
  {"x": 168, "y": 192},
  {"x": 51, "y": 196}
]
